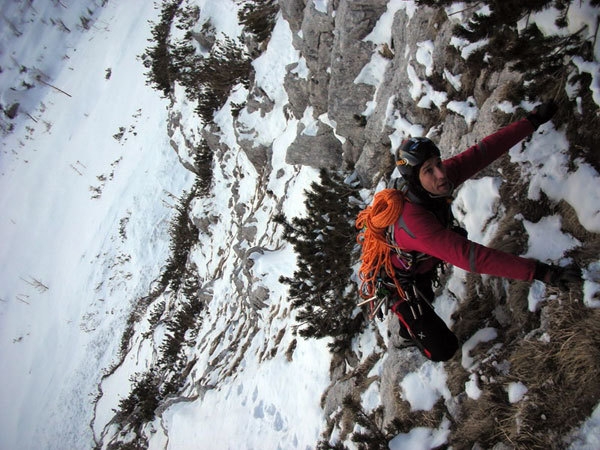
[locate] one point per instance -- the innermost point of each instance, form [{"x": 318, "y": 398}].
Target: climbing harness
[{"x": 382, "y": 283}]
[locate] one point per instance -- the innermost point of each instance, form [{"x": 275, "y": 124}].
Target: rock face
[
  {"x": 345, "y": 120},
  {"x": 347, "y": 99},
  {"x": 357, "y": 125},
  {"x": 366, "y": 79},
  {"x": 319, "y": 149}
]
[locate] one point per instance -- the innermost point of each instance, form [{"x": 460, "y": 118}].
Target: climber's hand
[
  {"x": 561, "y": 277},
  {"x": 542, "y": 113}
]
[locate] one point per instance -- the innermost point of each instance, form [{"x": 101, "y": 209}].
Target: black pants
[{"x": 419, "y": 322}]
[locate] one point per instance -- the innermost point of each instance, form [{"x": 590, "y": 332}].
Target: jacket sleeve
[
  {"x": 466, "y": 164},
  {"x": 427, "y": 235}
]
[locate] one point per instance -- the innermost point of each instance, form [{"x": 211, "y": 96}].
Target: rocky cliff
[
  {"x": 366, "y": 92},
  {"x": 357, "y": 77}
]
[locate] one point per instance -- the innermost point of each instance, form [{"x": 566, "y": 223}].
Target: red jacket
[{"x": 420, "y": 230}]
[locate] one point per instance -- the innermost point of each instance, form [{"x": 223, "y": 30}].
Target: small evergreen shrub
[
  {"x": 228, "y": 65},
  {"x": 370, "y": 433},
  {"x": 206, "y": 79},
  {"x": 541, "y": 59},
  {"x": 209, "y": 79},
  {"x": 157, "y": 58},
  {"x": 144, "y": 398},
  {"x": 183, "y": 235},
  {"x": 184, "y": 320},
  {"x": 544, "y": 61},
  {"x": 258, "y": 17},
  {"x": 203, "y": 161}
]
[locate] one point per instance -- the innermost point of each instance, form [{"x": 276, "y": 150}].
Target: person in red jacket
[{"x": 426, "y": 234}]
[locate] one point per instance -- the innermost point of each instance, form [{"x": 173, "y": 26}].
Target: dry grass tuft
[
  {"x": 406, "y": 419},
  {"x": 554, "y": 352},
  {"x": 480, "y": 420},
  {"x": 522, "y": 321},
  {"x": 510, "y": 235},
  {"x": 590, "y": 249},
  {"x": 476, "y": 310}
]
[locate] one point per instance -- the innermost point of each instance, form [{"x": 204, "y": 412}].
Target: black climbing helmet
[{"x": 413, "y": 153}]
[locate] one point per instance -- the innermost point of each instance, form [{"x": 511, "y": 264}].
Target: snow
[
  {"x": 467, "y": 48},
  {"x": 454, "y": 80},
  {"x": 481, "y": 208},
  {"x": 311, "y": 125},
  {"x": 73, "y": 266},
  {"x": 269, "y": 73},
  {"x": 423, "y": 388},
  {"x": 373, "y": 73},
  {"x": 382, "y": 31},
  {"x": 581, "y": 18},
  {"x": 516, "y": 391},
  {"x": 262, "y": 411},
  {"x": 321, "y": 5},
  {"x": 422, "y": 438},
  {"x": 468, "y": 109},
  {"x": 591, "y": 286},
  {"x": 540, "y": 246},
  {"x": 31, "y": 50},
  {"x": 270, "y": 67},
  {"x": 544, "y": 163},
  {"x": 301, "y": 69},
  {"x": 472, "y": 387},
  {"x": 592, "y": 68},
  {"x": 424, "y": 56},
  {"x": 222, "y": 15},
  {"x": 422, "y": 92},
  {"x": 588, "y": 436},
  {"x": 402, "y": 127},
  {"x": 537, "y": 294},
  {"x": 483, "y": 335},
  {"x": 96, "y": 256}
]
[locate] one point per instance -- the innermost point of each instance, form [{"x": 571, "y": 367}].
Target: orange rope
[{"x": 376, "y": 251}]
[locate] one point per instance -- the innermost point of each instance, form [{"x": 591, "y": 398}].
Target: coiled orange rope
[{"x": 376, "y": 251}]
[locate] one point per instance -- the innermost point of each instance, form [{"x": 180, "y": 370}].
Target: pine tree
[
  {"x": 324, "y": 242},
  {"x": 227, "y": 65},
  {"x": 541, "y": 59},
  {"x": 258, "y": 17},
  {"x": 158, "y": 58},
  {"x": 184, "y": 319},
  {"x": 183, "y": 236},
  {"x": 206, "y": 79},
  {"x": 203, "y": 162},
  {"x": 142, "y": 401}
]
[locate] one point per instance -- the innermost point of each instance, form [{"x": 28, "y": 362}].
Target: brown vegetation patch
[
  {"x": 476, "y": 310},
  {"x": 590, "y": 248},
  {"x": 559, "y": 365}
]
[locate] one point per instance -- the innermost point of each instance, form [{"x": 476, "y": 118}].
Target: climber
[{"x": 425, "y": 235}]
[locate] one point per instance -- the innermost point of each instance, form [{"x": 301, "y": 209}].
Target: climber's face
[{"x": 432, "y": 176}]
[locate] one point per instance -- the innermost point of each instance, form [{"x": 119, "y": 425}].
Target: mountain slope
[
  {"x": 384, "y": 391},
  {"x": 85, "y": 213},
  {"x": 187, "y": 316}
]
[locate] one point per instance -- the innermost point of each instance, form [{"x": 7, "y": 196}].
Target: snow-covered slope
[
  {"x": 89, "y": 184},
  {"x": 243, "y": 388},
  {"x": 85, "y": 214}
]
